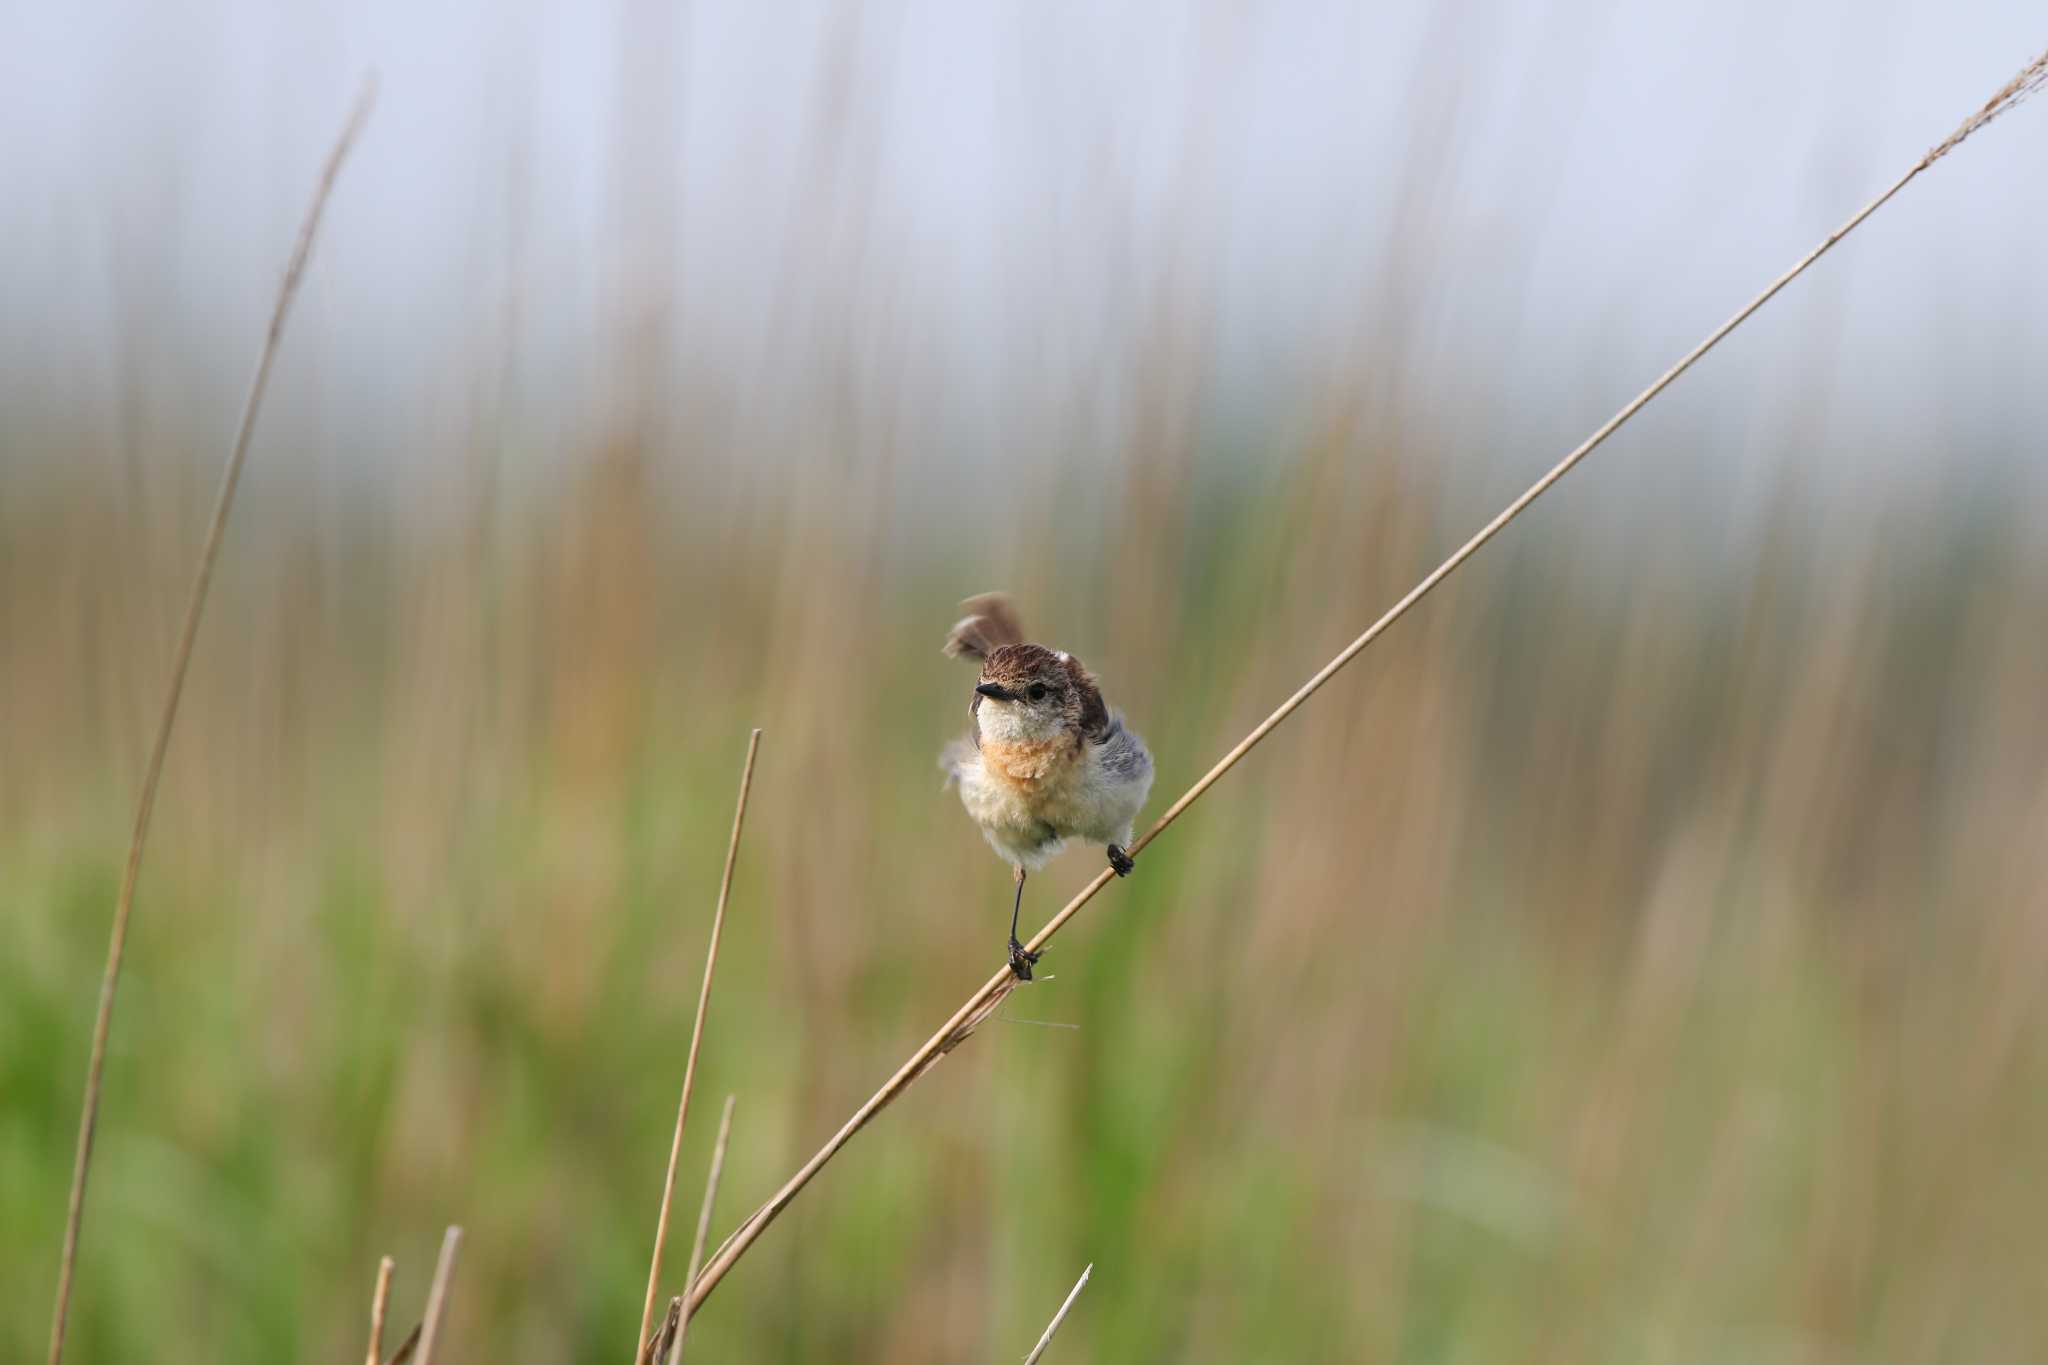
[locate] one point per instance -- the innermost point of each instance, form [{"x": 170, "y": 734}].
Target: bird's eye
[{"x": 1038, "y": 691}]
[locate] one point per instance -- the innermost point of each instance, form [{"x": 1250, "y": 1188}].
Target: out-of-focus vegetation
[
  {"x": 1614, "y": 965},
  {"x": 1636, "y": 956}
]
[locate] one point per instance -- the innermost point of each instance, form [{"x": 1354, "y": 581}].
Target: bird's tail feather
[{"x": 991, "y": 622}]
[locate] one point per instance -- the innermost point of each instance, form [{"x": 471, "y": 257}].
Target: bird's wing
[{"x": 954, "y": 758}]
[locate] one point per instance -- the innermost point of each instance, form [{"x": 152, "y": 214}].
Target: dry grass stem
[
  {"x": 1059, "y": 1317},
  {"x": 403, "y": 1355},
  {"x": 181, "y": 659},
  {"x": 979, "y": 1005},
  {"x": 379, "y": 1301},
  {"x": 658, "y": 1345},
  {"x": 437, "y": 1297},
  {"x": 675, "y": 1147},
  {"x": 2014, "y": 93},
  {"x": 704, "y": 1221}
]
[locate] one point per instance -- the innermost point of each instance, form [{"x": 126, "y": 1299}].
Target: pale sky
[{"x": 1543, "y": 204}]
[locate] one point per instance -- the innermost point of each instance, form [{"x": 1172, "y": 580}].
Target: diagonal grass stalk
[{"x": 958, "y": 1028}]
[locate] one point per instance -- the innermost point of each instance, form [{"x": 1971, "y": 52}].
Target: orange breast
[{"x": 1028, "y": 765}]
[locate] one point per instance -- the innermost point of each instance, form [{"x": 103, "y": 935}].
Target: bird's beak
[{"x": 997, "y": 691}]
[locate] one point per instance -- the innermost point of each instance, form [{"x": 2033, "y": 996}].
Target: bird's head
[{"x": 1029, "y": 693}]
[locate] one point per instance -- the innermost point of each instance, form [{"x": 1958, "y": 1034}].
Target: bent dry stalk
[{"x": 195, "y": 607}]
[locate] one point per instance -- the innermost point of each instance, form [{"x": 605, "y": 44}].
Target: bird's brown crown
[{"x": 1018, "y": 666}]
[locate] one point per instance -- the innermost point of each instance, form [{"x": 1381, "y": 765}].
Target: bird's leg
[
  {"x": 1020, "y": 961},
  {"x": 1121, "y": 861}
]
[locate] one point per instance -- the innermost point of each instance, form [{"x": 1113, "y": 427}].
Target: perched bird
[{"x": 1044, "y": 760}]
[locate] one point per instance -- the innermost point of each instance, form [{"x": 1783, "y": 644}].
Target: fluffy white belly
[{"x": 1029, "y": 800}]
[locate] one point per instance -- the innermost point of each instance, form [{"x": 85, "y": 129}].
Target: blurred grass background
[{"x": 1635, "y": 957}]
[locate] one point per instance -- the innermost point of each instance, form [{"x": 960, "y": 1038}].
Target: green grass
[{"x": 1590, "y": 976}]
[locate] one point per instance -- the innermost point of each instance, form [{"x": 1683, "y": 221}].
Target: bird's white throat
[{"x": 1014, "y": 722}]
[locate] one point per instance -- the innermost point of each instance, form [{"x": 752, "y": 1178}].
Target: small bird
[{"x": 1044, "y": 760}]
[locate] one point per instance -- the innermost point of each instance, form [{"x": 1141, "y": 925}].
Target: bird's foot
[
  {"x": 1020, "y": 961},
  {"x": 1121, "y": 861}
]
